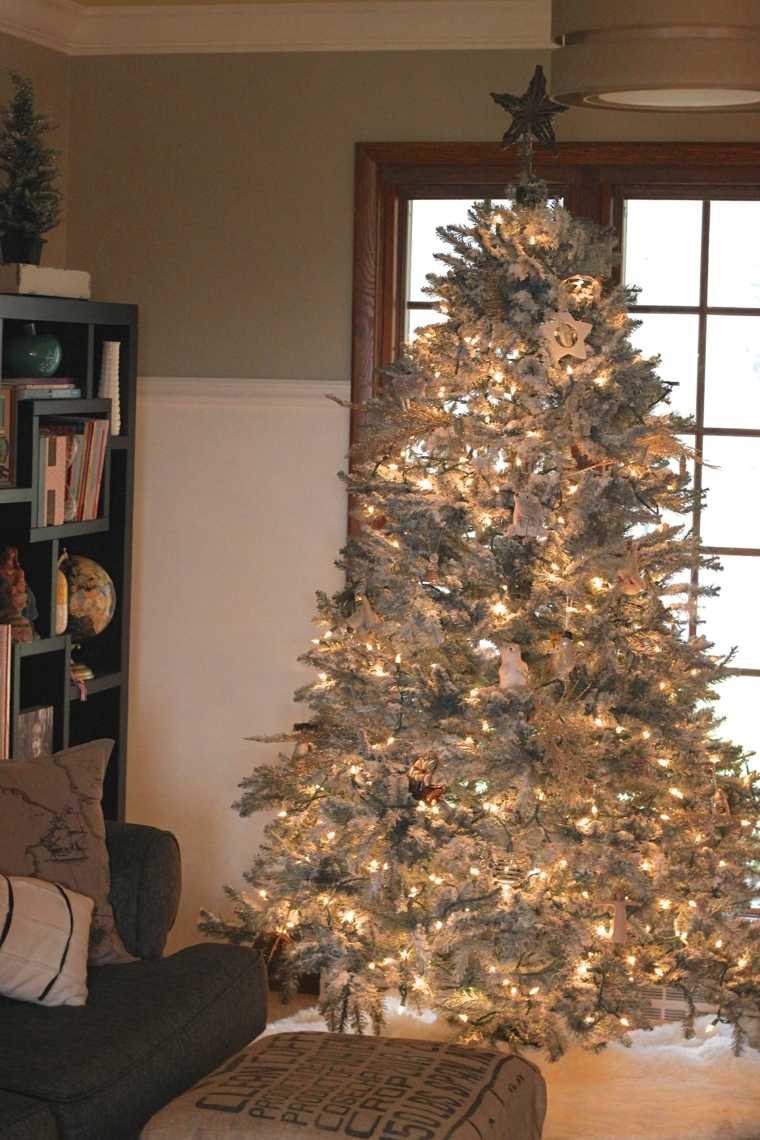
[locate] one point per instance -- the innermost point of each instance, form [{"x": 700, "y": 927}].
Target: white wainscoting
[{"x": 238, "y": 520}]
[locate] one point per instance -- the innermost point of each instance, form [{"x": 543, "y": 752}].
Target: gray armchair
[{"x": 150, "y": 1029}]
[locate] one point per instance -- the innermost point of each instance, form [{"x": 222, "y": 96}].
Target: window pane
[
  {"x": 674, "y": 337},
  {"x": 425, "y": 215},
  {"x": 732, "y": 372},
  {"x": 662, "y": 250},
  {"x": 417, "y": 318},
  {"x": 734, "y": 269},
  {"x": 731, "y": 474},
  {"x": 733, "y": 617},
  {"x": 739, "y": 698}
]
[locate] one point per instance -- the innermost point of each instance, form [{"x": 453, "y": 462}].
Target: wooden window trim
[{"x": 594, "y": 177}]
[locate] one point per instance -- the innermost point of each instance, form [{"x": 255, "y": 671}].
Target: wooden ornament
[
  {"x": 720, "y": 804},
  {"x": 513, "y": 672},
  {"x": 582, "y": 289},
  {"x": 528, "y": 518},
  {"x": 421, "y": 786},
  {"x": 564, "y": 336}
]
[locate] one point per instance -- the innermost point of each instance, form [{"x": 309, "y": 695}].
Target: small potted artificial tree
[{"x": 30, "y": 200}]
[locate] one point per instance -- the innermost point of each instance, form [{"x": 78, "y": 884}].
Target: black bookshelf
[{"x": 40, "y": 669}]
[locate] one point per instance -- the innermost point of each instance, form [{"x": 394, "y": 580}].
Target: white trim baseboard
[
  {"x": 201, "y": 391},
  {"x": 284, "y": 26}
]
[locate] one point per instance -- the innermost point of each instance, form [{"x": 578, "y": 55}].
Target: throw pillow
[
  {"x": 44, "y": 932},
  {"x": 52, "y": 827}
]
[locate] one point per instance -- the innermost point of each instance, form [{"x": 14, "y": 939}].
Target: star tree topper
[{"x": 532, "y": 115}]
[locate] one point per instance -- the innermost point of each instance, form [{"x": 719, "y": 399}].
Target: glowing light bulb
[
  {"x": 282, "y": 814},
  {"x": 665, "y": 904},
  {"x": 499, "y": 609},
  {"x": 597, "y": 584},
  {"x": 475, "y": 872},
  {"x": 263, "y": 894},
  {"x": 677, "y": 793}
]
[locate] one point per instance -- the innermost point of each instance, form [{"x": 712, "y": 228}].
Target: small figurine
[
  {"x": 17, "y": 605},
  {"x": 720, "y": 804},
  {"x": 629, "y": 578},
  {"x": 528, "y": 518},
  {"x": 513, "y": 672},
  {"x": 565, "y": 656},
  {"x": 364, "y": 617}
]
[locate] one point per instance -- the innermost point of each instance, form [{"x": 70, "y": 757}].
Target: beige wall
[
  {"x": 216, "y": 191},
  {"x": 49, "y": 71}
]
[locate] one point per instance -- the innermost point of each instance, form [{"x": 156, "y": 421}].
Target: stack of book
[
  {"x": 5, "y": 691},
  {"x": 72, "y": 458},
  {"x": 28, "y": 388}
]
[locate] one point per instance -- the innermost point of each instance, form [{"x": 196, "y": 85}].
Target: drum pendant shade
[{"x": 657, "y": 55}]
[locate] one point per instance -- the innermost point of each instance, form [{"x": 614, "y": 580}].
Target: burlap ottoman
[{"x": 308, "y": 1084}]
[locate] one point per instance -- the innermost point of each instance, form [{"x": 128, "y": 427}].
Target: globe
[{"x": 92, "y": 597}]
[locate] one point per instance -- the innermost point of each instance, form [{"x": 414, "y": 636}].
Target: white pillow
[{"x": 44, "y": 936}]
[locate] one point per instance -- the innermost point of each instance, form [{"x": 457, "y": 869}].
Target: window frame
[{"x": 593, "y": 178}]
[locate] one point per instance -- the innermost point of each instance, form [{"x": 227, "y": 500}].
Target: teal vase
[{"x": 33, "y": 354}]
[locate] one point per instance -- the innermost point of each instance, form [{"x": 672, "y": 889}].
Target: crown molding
[
  {"x": 202, "y": 391},
  {"x": 50, "y": 23},
  {"x": 285, "y": 26}
]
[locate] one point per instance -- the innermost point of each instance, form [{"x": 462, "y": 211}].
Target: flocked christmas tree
[{"x": 509, "y": 803}]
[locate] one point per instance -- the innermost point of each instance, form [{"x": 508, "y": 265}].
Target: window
[
  {"x": 695, "y": 261},
  {"x": 688, "y": 218}
]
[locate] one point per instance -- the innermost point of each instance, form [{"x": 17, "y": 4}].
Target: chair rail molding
[{"x": 284, "y": 26}]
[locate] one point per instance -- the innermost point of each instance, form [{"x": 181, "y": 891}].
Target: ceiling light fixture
[{"x": 657, "y": 55}]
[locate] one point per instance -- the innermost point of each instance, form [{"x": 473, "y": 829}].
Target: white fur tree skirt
[{"x": 662, "y": 1088}]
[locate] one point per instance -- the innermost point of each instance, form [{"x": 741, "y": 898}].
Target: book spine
[
  {"x": 86, "y": 460},
  {"x": 99, "y": 452},
  {"x": 47, "y": 393}
]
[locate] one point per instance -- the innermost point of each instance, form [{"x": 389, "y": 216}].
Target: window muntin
[{"x": 693, "y": 258}]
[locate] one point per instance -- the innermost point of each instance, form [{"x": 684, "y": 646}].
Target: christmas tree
[
  {"x": 30, "y": 200},
  {"x": 510, "y": 803}
]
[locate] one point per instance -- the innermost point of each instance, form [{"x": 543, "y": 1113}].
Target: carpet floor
[{"x": 661, "y": 1088}]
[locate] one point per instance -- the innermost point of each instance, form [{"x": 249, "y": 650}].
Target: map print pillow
[{"x": 52, "y": 828}]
